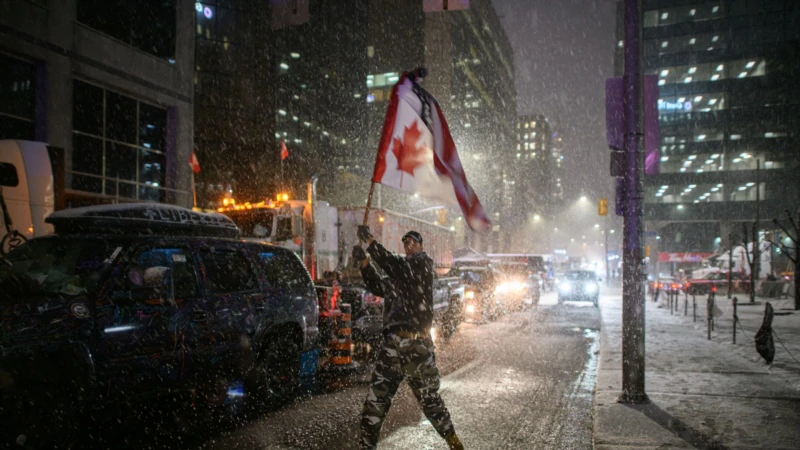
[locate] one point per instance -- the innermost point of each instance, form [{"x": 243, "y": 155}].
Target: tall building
[
  {"x": 234, "y": 88},
  {"x": 110, "y": 83},
  {"x": 335, "y": 64},
  {"x": 728, "y": 98}
]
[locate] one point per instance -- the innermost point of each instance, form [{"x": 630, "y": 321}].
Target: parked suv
[{"x": 145, "y": 302}]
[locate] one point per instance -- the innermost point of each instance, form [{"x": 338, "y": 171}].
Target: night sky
[{"x": 563, "y": 52}]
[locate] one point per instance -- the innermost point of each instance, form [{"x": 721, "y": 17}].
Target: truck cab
[{"x": 31, "y": 179}]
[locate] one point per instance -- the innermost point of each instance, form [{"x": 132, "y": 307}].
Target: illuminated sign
[
  {"x": 674, "y": 106},
  {"x": 208, "y": 12}
]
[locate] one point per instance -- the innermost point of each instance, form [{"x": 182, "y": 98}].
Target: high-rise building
[
  {"x": 335, "y": 65},
  {"x": 109, "y": 82},
  {"x": 727, "y": 105},
  {"x": 234, "y": 87}
]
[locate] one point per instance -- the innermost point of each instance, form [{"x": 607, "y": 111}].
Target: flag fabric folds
[
  {"x": 284, "y": 151},
  {"x": 417, "y": 154},
  {"x": 194, "y": 163}
]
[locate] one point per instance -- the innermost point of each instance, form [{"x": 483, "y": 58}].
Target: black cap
[{"x": 413, "y": 235}]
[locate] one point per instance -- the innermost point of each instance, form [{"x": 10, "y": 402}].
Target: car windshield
[
  {"x": 53, "y": 266},
  {"x": 255, "y": 223},
  {"x": 470, "y": 275},
  {"x": 580, "y": 275},
  {"x": 517, "y": 270}
]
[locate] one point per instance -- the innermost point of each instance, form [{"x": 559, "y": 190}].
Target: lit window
[
  {"x": 698, "y": 98},
  {"x": 715, "y": 39},
  {"x": 665, "y": 72},
  {"x": 701, "y": 137},
  {"x": 693, "y": 157},
  {"x": 664, "y": 44},
  {"x": 750, "y": 64},
  {"x": 662, "y": 82},
  {"x": 712, "y": 101},
  {"x": 282, "y": 112},
  {"x": 664, "y": 16},
  {"x": 687, "y": 80},
  {"x": 692, "y": 41},
  {"x": 664, "y": 158},
  {"x": 742, "y": 75},
  {"x": 692, "y": 70},
  {"x": 736, "y": 137},
  {"x": 715, "y": 9},
  {"x": 715, "y": 156},
  {"x": 284, "y": 66},
  {"x": 715, "y": 77},
  {"x": 295, "y": 55},
  {"x": 692, "y": 12}
]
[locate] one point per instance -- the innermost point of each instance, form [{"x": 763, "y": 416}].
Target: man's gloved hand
[
  {"x": 363, "y": 233},
  {"x": 358, "y": 253}
]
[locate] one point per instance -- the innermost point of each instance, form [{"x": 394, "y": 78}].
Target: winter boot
[{"x": 454, "y": 442}]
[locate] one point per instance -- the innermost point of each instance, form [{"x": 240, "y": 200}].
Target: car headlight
[
  {"x": 591, "y": 288},
  {"x": 469, "y": 294},
  {"x": 565, "y": 286},
  {"x": 470, "y": 309}
]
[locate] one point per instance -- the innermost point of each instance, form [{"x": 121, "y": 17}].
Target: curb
[{"x": 600, "y": 366}]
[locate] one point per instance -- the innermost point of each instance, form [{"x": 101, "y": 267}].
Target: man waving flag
[{"x": 417, "y": 154}]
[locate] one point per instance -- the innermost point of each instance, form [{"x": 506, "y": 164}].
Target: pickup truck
[{"x": 448, "y": 303}]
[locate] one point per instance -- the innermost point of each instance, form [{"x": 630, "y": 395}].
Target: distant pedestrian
[{"x": 407, "y": 351}]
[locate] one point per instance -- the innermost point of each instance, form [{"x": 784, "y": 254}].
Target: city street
[{"x": 525, "y": 381}]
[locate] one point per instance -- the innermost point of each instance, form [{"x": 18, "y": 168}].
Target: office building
[
  {"x": 111, "y": 84},
  {"x": 727, "y": 113}
]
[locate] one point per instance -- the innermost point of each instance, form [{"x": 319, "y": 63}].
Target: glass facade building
[
  {"x": 107, "y": 82},
  {"x": 727, "y": 104}
]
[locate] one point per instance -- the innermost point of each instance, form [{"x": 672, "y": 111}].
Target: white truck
[
  {"x": 721, "y": 262},
  {"x": 32, "y": 187}
]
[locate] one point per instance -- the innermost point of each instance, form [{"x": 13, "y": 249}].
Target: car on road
[
  {"x": 579, "y": 285},
  {"x": 134, "y": 306},
  {"x": 665, "y": 284},
  {"x": 518, "y": 288},
  {"x": 480, "y": 301}
]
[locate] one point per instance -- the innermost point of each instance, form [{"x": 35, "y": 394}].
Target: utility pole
[{"x": 633, "y": 313}]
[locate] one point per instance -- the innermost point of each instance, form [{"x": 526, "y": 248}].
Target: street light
[
  {"x": 537, "y": 217},
  {"x": 583, "y": 198}
]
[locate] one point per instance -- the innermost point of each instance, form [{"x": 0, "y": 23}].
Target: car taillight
[{"x": 675, "y": 286}]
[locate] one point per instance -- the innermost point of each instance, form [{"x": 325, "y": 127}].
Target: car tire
[{"x": 275, "y": 377}]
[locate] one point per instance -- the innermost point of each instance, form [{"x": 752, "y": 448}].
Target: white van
[{"x": 29, "y": 189}]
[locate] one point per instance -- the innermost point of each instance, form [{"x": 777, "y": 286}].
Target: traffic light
[{"x": 602, "y": 207}]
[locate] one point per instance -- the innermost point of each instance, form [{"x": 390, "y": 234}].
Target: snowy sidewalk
[{"x": 704, "y": 393}]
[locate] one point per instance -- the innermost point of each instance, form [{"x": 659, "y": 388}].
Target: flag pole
[
  {"x": 194, "y": 192},
  {"x": 369, "y": 202}
]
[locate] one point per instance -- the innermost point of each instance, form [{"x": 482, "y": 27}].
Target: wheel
[{"x": 276, "y": 375}]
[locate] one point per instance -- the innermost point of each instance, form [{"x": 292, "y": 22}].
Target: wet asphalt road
[{"x": 523, "y": 382}]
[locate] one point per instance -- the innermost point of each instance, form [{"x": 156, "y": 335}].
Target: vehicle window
[
  {"x": 284, "y": 270},
  {"x": 53, "y": 265},
  {"x": 228, "y": 271},
  {"x": 141, "y": 278},
  {"x": 253, "y": 223},
  {"x": 8, "y": 175},
  {"x": 580, "y": 275}
]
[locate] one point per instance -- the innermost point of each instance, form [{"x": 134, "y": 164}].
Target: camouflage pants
[{"x": 400, "y": 358}]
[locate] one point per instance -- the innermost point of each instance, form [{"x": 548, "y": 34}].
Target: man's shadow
[{"x": 696, "y": 439}]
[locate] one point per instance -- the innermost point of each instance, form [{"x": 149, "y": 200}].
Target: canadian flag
[
  {"x": 194, "y": 163},
  {"x": 284, "y": 151},
  {"x": 417, "y": 154}
]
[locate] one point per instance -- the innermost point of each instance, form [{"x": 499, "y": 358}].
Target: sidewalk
[{"x": 704, "y": 393}]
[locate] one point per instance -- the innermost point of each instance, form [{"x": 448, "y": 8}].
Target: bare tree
[
  {"x": 751, "y": 258},
  {"x": 786, "y": 250}
]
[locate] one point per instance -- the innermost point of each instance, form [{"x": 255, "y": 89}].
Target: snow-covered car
[{"x": 517, "y": 287}]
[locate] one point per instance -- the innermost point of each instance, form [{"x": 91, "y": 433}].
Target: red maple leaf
[{"x": 408, "y": 155}]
